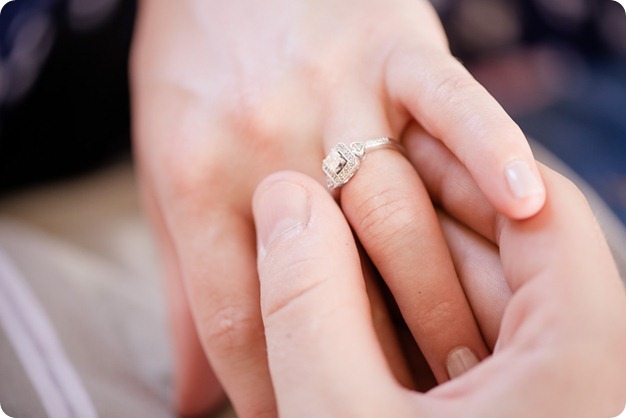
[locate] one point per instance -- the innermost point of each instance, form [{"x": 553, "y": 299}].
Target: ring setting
[{"x": 343, "y": 161}]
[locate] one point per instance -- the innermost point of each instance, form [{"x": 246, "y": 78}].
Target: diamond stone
[
  {"x": 340, "y": 165},
  {"x": 335, "y": 161}
]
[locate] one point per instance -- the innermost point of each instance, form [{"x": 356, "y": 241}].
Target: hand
[
  {"x": 560, "y": 343},
  {"x": 225, "y": 93}
]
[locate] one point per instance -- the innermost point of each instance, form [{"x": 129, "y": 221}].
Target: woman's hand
[
  {"x": 560, "y": 342},
  {"x": 226, "y": 92}
]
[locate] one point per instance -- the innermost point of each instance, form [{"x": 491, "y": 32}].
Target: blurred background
[{"x": 557, "y": 66}]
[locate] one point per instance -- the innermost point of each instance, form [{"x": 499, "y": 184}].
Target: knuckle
[
  {"x": 187, "y": 167},
  {"x": 455, "y": 90},
  {"x": 431, "y": 319},
  {"x": 232, "y": 327},
  {"x": 256, "y": 120},
  {"x": 254, "y": 123},
  {"x": 283, "y": 295},
  {"x": 387, "y": 217},
  {"x": 453, "y": 84}
]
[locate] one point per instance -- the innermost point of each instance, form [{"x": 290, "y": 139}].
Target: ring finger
[{"x": 389, "y": 209}]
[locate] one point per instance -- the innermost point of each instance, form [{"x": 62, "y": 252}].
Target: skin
[
  {"x": 544, "y": 290},
  {"x": 225, "y": 93}
]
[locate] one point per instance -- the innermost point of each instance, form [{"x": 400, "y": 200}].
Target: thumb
[{"x": 322, "y": 349}]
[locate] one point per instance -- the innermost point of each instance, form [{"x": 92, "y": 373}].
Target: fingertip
[
  {"x": 282, "y": 202},
  {"x": 277, "y": 177},
  {"x": 526, "y": 207},
  {"x": 520, "y": 208},
  {"x": 280, "y": 208},
  {"x": 516, "y": 191},
  {"x": 510, "y": 183},
  {"x": 527, "y": 191},
  {"x": 460, "y": 360},
  {"x": 298, "y": 179}
]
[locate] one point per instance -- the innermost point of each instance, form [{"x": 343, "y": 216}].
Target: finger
[
  {"x": 454, "y": 108},
  {"x": 568, "y": 303},
  {"x": 578, "y": 252},
  {"x": 387, "y": 333},
  {"x": 565, "y": 289},
  {"x": 396, "y": 222},
  {"x": 478, "y": 265},
  {"x": 218, "y": 263},
  {"x": 403, "y": 354},
  {"x": 449, "y": 182},
  {"x": 392, "y": 215},
  {"x": 320, "y": 337},
  {"x": 196, "y": 387}
]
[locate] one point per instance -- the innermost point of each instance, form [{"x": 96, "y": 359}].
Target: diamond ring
[{"x": 343, "y": 161}]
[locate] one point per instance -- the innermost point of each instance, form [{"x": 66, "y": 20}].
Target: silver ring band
[{"x": 343, "y": 161}]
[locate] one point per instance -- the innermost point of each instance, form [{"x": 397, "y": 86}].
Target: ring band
[{"x": 344, "y": 161}]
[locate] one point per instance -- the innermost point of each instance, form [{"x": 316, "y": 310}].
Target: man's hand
[
  {"x": 559, "y": 344},
  {"x": 226, "y": 92}
]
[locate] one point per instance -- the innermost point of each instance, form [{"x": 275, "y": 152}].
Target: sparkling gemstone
[{"x": 335, "y": 161}]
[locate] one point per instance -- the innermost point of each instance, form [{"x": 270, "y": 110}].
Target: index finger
[{"x": 454, "y": 108}]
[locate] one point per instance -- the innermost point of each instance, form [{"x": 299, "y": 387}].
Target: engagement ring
[{"x": 343, "y": 161}]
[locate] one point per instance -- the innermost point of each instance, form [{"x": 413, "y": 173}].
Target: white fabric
[
  {"x": 87, "y": 255},
  {"x": 35, "y": 341}
]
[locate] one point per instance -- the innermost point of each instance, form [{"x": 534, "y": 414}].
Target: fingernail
[
  {"x": 282, "y": 207},
  {"x": 460, "y": 360},
  {"x": 523, "y": 182}
]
